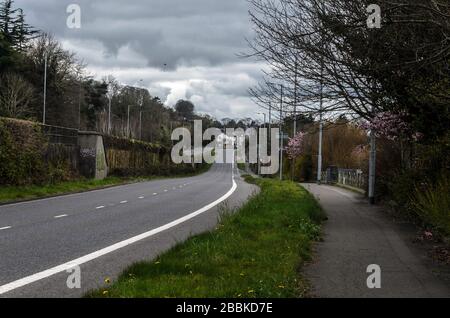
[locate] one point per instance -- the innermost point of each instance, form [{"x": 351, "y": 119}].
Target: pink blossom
[
  {"x": 390, "y": 126},
  {"x": 295, "y": 146}
]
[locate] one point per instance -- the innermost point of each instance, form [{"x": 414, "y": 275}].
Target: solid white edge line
[{"x": 87, "y": 258}]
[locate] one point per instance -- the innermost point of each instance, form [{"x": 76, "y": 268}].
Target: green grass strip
[
  {"x": 256, "y": 252},
  {"x": 19, "y": 193}
]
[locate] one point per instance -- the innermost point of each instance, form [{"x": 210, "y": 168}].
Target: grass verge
[
  {"x": 256, "y": 252},
  {"x": 241, "y": 166},
  {"x": 19, "y": 193}
]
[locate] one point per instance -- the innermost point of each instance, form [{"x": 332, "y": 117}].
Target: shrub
[
  {"x": 130, "y": 158},
  {"x": 26, "y": 157},
  {"x": 22, "y": 148},
  {"x": 432, "y": 204}
]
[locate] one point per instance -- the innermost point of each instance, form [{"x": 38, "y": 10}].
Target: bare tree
[
  {"x": 16, "y": 94},
  {"x": 324, "y": 50}
]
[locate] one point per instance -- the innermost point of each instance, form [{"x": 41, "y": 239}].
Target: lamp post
[
  {"x": 281, "y": 133},
  {"x": 45, "y": 87},
  {"x": 128, "y": 122},
  {"x": 141, "y": 104},
  {"x": 259, "y": 145},
  {"x": 264, "y": 114},
  {"x": 109, "y": 114}
]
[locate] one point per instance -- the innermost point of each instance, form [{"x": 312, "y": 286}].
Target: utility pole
[
  {"x": 270, "y": 117},
  {"x": 141, "y": 104},
  {"x": 319, "y": 163},
  {"x": 79, "y": 107},
  {"x": 319, "y": 159},
  {"x": 372, "y": 156},
  {"x": 372, "y": 166},
  {"x": 295, "y": 114},
  {"x": 140, "y": 123},
  {"x": 128, "y": 123},
  {"x": 259, "y": 145},
  {"x": 281, "y": 134},
  {"x": 109, "y": 114},
  {"x": 295, "y": 97},
  {"x": 45, "y": 86}
]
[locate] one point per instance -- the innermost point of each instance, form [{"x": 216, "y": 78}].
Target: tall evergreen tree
[
  {"x": 22, "y": 32},
  {"x": 7, "y": 20}
]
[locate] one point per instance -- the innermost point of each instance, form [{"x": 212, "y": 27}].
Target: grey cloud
[
  {"x": 197, "y": 39},
  {"x": 172, "y": 32}
]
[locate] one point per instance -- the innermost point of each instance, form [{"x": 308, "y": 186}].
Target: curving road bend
[{"x": 104, "y": 231}]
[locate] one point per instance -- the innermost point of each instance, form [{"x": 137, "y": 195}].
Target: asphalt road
[
  {"x": 358, "y": 235},
  {"x": 104, "y": 231}
]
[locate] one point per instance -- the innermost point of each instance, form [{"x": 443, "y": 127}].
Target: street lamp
[
  {"x": 264, "y": 114},
  {"x": 141, "y": 102},
  {"x": 45, "y": 86},
  {"x": 128, "y": 122},
  {"x": 259, "y": 146}
]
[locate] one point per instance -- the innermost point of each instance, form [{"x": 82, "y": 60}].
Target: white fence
[{"x": 348, "y": 177}]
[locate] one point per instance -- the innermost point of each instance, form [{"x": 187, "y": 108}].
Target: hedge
[
  {"x": 127, "y": 157},
  {"x": 26, "y": 157}
]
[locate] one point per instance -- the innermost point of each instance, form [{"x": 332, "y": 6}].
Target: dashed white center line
[
  {"x": 166, "y": 190},
  {"x": 5, "y": 228},
  {"x": 141, "y": 197},
  {"x": 123, "y": 202},
  {"x": 60, "y": 216},
  {"x": 155, "y": 193},
  {"x": 100, "y": 207}
]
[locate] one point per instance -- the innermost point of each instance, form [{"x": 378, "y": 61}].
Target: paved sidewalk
[{"x": 356, "y": 236}]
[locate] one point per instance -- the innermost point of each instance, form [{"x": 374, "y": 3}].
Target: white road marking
[
  {"x": 141, "y": 197},
  {"x": 5, "y": 228},
  {"x": 155, "y": 193},
  {"x": 166, "y": 190},
  {"x": 100, "y": 207},
  {"x": 60, "y": 216},
  {"x": 68, "y": 195},
  {"x": 87, "y": 258},
  {"x": 123, "y": 202}
]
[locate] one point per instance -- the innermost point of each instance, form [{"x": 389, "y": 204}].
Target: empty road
[{"x": 104, "y": 231}]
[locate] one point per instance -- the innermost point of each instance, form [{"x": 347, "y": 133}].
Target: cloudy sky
[{"x": 197, "y": 40}]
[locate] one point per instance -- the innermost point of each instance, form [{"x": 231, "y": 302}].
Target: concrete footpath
[{"x": 358, "y": 235}]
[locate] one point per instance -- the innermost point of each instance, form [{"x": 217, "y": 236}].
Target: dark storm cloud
[
  {"x": 198, "y": 40},
  {"x": 172, "y": 32}
]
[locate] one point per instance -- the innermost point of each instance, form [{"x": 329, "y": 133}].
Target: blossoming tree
[
  {"x": 390, "y": 126},
  {"x": 295, "y": 147}
]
